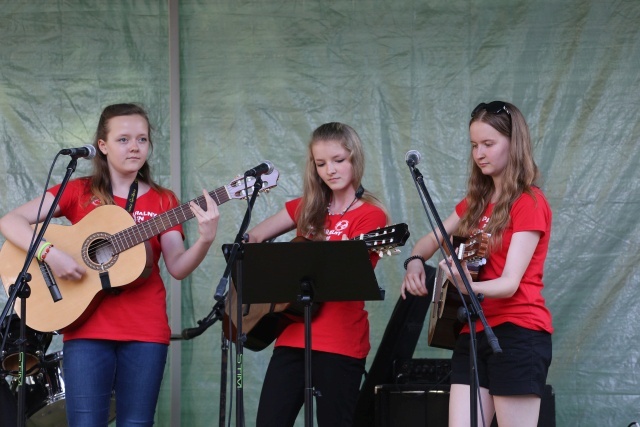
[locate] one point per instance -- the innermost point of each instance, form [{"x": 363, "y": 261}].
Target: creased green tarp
[{"x": 258, "y": 76}]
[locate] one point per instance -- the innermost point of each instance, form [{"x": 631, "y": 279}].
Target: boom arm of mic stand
[{"x": 476, "y": 309}]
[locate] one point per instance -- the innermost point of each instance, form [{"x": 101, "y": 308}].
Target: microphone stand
[
  {"x": 469, "y": 314},
  {"x": 224, "y": 360},
  {"x": 237, "y": 248},
  {"x": 20, "y": 289}
]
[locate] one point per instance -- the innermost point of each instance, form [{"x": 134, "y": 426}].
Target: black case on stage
[{"x": 427, "y": 405}]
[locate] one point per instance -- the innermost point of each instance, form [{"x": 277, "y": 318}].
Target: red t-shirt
[
  {"x": 339, "y": 327},
  {"x": 137, "y": 313},
  {"x": 526, "y": 308}
]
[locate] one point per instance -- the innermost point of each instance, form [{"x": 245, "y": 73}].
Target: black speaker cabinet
[
  {"x": 411, "y": 405},
  {"x": 427, "y": 405}
]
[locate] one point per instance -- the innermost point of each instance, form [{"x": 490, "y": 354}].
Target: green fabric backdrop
[{"x": 258, "y": 76}]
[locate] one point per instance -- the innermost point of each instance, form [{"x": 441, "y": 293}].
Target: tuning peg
[{"x": 393, "y": 252}]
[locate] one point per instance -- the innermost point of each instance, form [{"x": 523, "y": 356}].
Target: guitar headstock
[
  {"x": 475, "y": 248},
  {"x": 385, "y": 241},
  {"x": 236, "y": 188}
]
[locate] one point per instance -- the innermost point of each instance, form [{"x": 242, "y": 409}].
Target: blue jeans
[{"x": 95, "y": 368}]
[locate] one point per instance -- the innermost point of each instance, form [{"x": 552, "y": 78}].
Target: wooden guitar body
[
  {"x": 80, "y": 241},
  {"x": 262, "y": 322}
]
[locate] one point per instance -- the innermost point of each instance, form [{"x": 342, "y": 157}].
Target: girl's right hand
[
  {"x": 63, "y": 265},
  {"x": 414, "y": 280}
]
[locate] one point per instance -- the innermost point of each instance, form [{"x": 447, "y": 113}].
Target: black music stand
[{"x": 308, "y": 272}]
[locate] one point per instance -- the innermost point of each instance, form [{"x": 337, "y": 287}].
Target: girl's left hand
[
  {"x": 207, "y": 220},
  {"x": 447, "y": 263}
]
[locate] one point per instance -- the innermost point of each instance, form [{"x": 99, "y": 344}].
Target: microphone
[
  {"x": 190, "y": 333},
  {"x": 203, "y": 325},
  {"x": 412, "y": 157},
  {"x": 266, "y": 167},
  {"x": 87, "y": 151},
  {"x": 217, "y": 313},
  {"x": 50, "y": 281}
]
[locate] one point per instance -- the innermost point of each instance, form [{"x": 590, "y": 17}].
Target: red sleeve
[
  {"x": 461, "y": 207},
  {"x": 292, "y": 207},
  {"x": 531, "y": 214},
  {"x": 74, "y": 201}
]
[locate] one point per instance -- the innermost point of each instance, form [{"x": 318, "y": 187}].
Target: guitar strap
[
  {"x": 133, "y": 195},
  {"x": 131, "y": 202}
]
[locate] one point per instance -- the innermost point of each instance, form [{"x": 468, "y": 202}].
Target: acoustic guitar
[
  {"x": 262, "y": 323},
  {"x": 111, "y": 247},
  {"x": 444, "y": 326}
]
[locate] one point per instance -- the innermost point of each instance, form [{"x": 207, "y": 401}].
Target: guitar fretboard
[{"x": 139, "y": 233}]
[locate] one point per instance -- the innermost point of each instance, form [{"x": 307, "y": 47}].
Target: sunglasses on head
[{"x": 495, "y": 107}]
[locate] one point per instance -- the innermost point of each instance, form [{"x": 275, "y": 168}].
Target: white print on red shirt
[
  {"x": 337, "y": 229},
  {"x": 484, "y": 221},
  {"x": 139, "y": 216}
]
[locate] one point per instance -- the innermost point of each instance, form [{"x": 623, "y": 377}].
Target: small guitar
[
  {"x": 444, "y": 326},
  {"x": 106, "y": 241},
  {"x": 262, "y": 323}
]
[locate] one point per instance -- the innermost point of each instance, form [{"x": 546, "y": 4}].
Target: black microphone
[
  {"x": 412, "y": 157},
  {"x": 87, "y": 151},
  {"x": 204, "y": 324},
  {"x": 50, "y": 281},
  {"x": 266, "y": 167},
  {"x": 189, "y": 333}
]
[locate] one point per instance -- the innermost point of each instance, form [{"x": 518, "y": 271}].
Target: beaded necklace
[{"x": 344, "y": 211}]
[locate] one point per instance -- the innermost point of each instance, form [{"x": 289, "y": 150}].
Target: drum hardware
[
  {"x": 45, "y": 394},
  {"x": 36, "y": 346},
  {"x": 45, "y": 404}
]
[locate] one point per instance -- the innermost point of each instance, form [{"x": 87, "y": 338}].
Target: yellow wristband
[{"x": 42, "y": 247}]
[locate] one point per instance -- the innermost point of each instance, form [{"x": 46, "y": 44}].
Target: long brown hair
[
  {"x": 101, "y": 178},
  {"x": 520, "y": 174},
  {"x": 316, "y": 196}
]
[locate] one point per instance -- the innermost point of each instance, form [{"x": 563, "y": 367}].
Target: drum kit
[{"x": 44, "y": 377}]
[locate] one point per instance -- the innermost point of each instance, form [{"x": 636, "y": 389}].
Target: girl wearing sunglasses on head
[{"x": 503, "y": 201}]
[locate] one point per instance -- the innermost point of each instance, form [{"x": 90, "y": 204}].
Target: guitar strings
[
  {"x": 220, "y": 195},
  {"x": 173, "y": 216}
]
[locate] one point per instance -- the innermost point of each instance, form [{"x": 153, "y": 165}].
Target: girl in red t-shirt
[
  {"x": 121, "y": 345},
  {"x": 503, "y": 201},
  {"x": 333, "y": 207}
]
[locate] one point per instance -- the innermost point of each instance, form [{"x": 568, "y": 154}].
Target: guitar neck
[{"x": 144, "y": 231}]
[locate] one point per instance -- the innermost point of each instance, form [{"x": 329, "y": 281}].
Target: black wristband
[{"x": 411, "y": 258}]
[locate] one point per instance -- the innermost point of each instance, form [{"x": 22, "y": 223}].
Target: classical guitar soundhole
[{"x": 98, "y": 252}]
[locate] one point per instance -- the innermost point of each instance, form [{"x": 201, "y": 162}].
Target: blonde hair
[{"x": 316, "y": 195}]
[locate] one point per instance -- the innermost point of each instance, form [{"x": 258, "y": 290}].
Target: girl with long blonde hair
[{"x": 333, "y": 206}]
